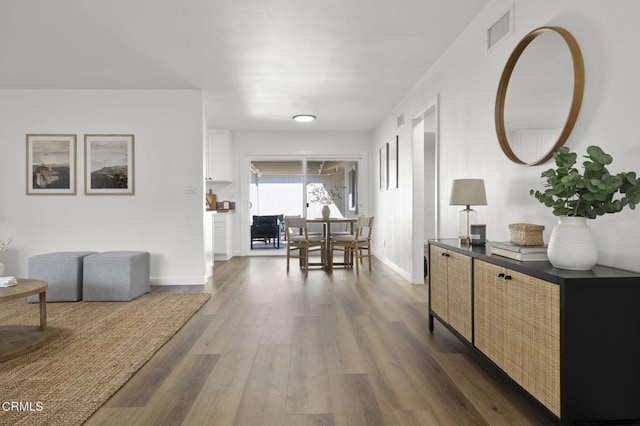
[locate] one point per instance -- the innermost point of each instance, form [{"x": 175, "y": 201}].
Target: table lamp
[{"x": 467, "y": 192}]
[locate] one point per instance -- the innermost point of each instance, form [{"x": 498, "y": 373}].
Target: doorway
[
  {"x": 425, "y": 177},
  {"x": 300, "y": 187},
  {"x": 276, "y": 190}
]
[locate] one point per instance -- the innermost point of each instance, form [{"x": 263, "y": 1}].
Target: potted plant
[
  {"x": 576, "y": 197},
  {"x": 320, "y": 195}
]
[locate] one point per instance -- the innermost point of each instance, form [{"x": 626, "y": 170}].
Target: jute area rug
[{"x": 94, "y": 349}]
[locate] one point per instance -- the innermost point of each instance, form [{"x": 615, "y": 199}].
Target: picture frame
[
  {"x": 109, "y": 164},
  {"x": 353, "y": 190},
  {"x": 51, "y": 164},
  {"x": 383, "y": 167},
  {"x": 393, "y": 163}
]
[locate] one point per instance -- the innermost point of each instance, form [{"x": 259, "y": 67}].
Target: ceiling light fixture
[{"x": 304, "y": 118}]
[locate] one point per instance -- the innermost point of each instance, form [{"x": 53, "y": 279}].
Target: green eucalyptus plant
[{"x": 593, "y": 193}]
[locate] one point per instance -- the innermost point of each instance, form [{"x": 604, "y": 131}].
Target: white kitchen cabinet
[
  {"x": 209, "y": 240},
  {"x": 221, "y": 243},
  {"x": 218, "y": 156}
]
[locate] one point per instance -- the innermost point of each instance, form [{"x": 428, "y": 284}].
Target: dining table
[{"x": 326, "y": 232}]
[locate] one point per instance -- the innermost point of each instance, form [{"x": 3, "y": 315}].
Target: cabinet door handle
[
  {"x": 445, "y": 254},
  {"x": 507, "y": 277},
  {"x": 501, "y": 275}
]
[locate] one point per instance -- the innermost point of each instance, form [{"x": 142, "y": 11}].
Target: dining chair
[
  {"x": 354, "y": 246},
  {"x": 300, "y": 243}
]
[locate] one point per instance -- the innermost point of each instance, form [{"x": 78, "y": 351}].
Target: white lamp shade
[{"x": 468, "y": 192}]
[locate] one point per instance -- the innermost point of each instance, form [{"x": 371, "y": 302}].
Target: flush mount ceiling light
[{"x": 304, "y": 118}]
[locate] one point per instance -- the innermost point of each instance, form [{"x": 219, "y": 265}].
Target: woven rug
[{"x": 94, "y": 349}]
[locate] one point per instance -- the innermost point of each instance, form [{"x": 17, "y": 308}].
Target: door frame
[
  {"x": 243, "y": 209},
  {"x": 418, "y": 181}
]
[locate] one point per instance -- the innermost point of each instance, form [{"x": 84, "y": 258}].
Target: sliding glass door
[
  {"x": 276, "y": 188},
  {"x": 332, "y": 183},
  {"x": 300, "y": 187}
]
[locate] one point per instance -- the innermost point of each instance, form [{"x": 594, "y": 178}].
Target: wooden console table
[
  {"x": 567, "y": 338},
  {"x": 16, "y": 340}
]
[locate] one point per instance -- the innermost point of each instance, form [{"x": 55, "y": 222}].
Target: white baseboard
[
  {"x": 395, "y": 268},
  {"x": 201, "y": 280}
]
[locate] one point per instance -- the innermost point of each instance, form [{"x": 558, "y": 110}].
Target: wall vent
[
  {"x": 400, "y": 120},
  {"x": 502, "y": 27}
]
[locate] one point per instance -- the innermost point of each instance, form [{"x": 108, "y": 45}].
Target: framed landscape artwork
[
  {"x": 51, "y": 164},
  {"x": 108, "y": 164}
]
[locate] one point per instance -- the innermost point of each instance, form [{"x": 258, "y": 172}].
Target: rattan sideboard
[{"x": 569, "y": 339}]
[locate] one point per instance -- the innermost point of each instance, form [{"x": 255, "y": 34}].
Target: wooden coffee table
[{"x": 16, "y": 340}]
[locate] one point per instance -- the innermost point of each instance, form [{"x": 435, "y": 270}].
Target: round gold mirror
[{"x": 539, "y": 95}]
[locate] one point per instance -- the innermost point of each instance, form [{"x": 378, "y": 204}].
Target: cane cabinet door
[{"x": 450, "y": 289}]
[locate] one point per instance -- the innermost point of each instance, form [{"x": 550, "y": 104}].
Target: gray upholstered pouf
[
  {"x": 115, "y": 276},
  {"x": 62, "y": 271}
]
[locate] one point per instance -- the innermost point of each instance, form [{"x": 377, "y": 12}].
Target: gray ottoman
[
  {"x": 62, "y": 271},
  {"x": 115, "y": 276}
]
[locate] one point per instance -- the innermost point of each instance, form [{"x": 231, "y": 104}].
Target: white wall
[
  {"x": 160, "y": 218},
  {"x": 466, "y": 79},
  {"x": 279, "y": 145}
]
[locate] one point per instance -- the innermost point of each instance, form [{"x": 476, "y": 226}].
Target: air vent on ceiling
[
  {"x": 501, "y": 28},
  {"x": 400, "y": 120}
]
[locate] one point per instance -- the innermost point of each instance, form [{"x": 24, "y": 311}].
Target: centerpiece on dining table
[{"x": 319, "y": 194}]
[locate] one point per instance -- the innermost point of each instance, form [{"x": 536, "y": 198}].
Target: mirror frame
[{"x": 576, "y": 101}]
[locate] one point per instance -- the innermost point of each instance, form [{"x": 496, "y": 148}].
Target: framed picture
[
  {"x": 353, "y": 190},
  {"x": 393, "y": 163},
  {"x": 51, "y": 164},
  {"x": 108, "y": 165},
  {"x": 383, "y": 167}
]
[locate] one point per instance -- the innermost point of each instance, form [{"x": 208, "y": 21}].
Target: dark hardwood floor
[{"x": 332, "y": 349}]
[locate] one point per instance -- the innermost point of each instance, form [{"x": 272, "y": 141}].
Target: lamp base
[{"x": 466, "y": 217}]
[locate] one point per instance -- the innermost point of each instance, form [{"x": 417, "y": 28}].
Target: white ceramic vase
[
  {"x": 571, "y": 245},
  {"x": 326, "y": 212}
]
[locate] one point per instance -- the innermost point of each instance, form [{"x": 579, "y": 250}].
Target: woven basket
[{"x": 526, "y": 234}]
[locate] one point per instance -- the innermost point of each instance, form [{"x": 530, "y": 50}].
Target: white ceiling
[{"x": 259, "y": 62}]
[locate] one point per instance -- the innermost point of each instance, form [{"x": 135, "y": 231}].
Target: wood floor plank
[
  {"x": 486, "y": 395},
  {"x": 221, "y": 331},
  {"x": 390, "y": 380},
  {"x": 279, "y": 327},
  {"x": 341, "y": 349},
  {"x": 354, "y": 401},
  {"x": 314, "y": 295},
  {"x": 411, "y": 418},
  {"x": 172, "y": 401},
  {"x": 222, "y": 392},
  {"x": 114, "y": 416},
  {"x": 308, "y": 386},
  {"x": 445, "y": 399},
  {"x": 278, "y": 331},
  {"x": 264, "y": 398},
  {"x": 310, "y": 420}
]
